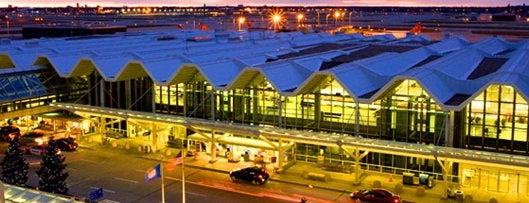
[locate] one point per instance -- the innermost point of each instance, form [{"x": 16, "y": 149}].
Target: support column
[
  {"x": 213, "y": 148},
  {"x": 102, "y": 128},
  {"x": 102, "y": 92},
  {"x": 153, "y": 97},
  {"x": 317, "y": 109},
  {"x": 154, "y": 133},
  {"x": 357, "y": 119},
  {"x": 449, "y": 130},
  {"x": 280, "y": 112},
  {"x": 280, "y": 150},
  {"x": 213, "y": 107},
  {"x": 357, "y": 156},
  {"x": 128, "y": 95},
  {"x": 184, "y": 100},
  {"x": 255, "y": 105},
  {"x": 447, "y": 170}
]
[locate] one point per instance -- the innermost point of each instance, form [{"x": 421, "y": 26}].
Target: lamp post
[
  {"x": 276, "y": 19},
  {"x": 318, "y": 18},
  {"x": 336, "y": 16},
  {"x": 350, "y": 13},
  {"x": 300, "y": 18},
  {"x": 240, "y": 22}
]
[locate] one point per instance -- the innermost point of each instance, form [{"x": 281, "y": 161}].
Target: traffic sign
[{"x": 96, "y": 194}]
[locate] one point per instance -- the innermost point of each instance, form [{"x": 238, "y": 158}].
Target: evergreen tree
[
  {"x": 51, "y": 176},
  {"x": 14, "y": 165}
]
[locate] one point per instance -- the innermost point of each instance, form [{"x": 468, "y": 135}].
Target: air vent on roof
[
  {"x": 32, "y": 43},
  {"x": 5, "y": 41},
  {"x": 165, "y": 37},
  {"x": 199, "y": 39}
]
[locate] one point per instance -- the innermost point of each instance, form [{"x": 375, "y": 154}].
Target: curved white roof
[{"x": 452, "y": 71}]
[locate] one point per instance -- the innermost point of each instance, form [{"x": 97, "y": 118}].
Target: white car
[{"x": 38, "y": 150}]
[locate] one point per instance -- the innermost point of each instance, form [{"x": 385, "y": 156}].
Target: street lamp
[
  {"x": 241, "y": 21},
  {"x": 336, "y": 16},
  {"x": 276, "y": 19},
  {"x": 300, "y": 18},
  {"x": 350, "y": 13}
]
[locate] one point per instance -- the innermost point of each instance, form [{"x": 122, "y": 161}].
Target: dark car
[
  {"x": 66, "y": 144},
  {"x": 255, "y": 175},
  {"x": 7, "y": 133},
  {"x": 375, "y": 196}
]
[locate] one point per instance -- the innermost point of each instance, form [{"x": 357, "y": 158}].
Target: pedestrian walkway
[{"x": 298, "y": 173}]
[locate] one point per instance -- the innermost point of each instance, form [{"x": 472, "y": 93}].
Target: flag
[
  {"x": 175, "y": 161},
  {"x": 417, "y": 28},
  {"x": 180, "y": 26},
  {"x": 203, "y": 27},
  {"x": 153, "y": 173}
]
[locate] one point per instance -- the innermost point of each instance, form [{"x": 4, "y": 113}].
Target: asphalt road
[{"x": 121, "y": 176}]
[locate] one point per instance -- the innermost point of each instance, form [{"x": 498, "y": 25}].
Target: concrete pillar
[
  {"x": 154, "y": 137},
  {"x": 280, "y": 112},
  {"x": 102, "y": 92},
  {"x": 357, "y": 119},
  {"x": 128, "y": 94},
  {"x": 213, "y": 107},
  {"x": 280, "y": 150},
  {"x": 317, "y": 108},
  {"x": 102, "y": 128},
  {"x": 447, "y": 170},
  {"x": 184, "y": 100},
  {"x": 255, "y": 103},
  {"x": 213, "y": 148},
  {"x": 153, "y": 97}
]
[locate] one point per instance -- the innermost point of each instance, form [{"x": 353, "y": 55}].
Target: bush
[
  {"x": 468, "y": 199},
  {"x": 420, "y": 192},
  {"x": 399, "y": 188},
  {"x": 377, "y": 184}
]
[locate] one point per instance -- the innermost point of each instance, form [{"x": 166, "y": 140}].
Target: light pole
[
  {"x": 241, "y": 21},
  {"x": 300, "y": 18},
  {"x": 276, "y": 19},
  {"x": 318, "y": 18},
  {"x": 336, "y": 16},
  {"x": 350, "y": 13}
]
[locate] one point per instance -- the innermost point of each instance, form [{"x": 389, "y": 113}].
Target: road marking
[
  {"x": 126, "y": 180},
  {"x": 196, "y": 194},
  {"x": 109, "y": 191}
]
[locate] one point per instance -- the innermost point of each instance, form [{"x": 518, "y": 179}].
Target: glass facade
[{"x": 497, "y": 121}]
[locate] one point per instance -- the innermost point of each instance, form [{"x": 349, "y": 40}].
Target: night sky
[{"x": 92, "y": 3}]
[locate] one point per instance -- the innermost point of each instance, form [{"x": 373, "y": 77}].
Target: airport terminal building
[{"x": 345, "y": 101}]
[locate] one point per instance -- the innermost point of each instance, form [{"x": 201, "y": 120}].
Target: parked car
[
  {"x": 376, "y": 196},
  {"x": 66, "y": 144},
  {"x": 7, "y": 133},
  {"x": 255, "y": 175},
  {"x": 34, "y": 137},
  {"x": 39, "y": 150}
]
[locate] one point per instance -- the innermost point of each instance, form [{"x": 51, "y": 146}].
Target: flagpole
[
  {"x": 183, "y": 176},
  {"x": 161, "y": 174}
]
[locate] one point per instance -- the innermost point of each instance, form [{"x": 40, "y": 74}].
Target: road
[{"x": 121, "y": 176}]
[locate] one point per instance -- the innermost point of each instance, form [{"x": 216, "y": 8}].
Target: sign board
[{"x": 96, "y": 194}]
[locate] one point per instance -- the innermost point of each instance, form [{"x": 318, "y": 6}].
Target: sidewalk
[{"x": 340, "y": 182}]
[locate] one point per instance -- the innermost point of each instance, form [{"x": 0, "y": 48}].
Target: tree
[
  {"x": 14, "y": 165},
  {"x": 51, "y": 176}
]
